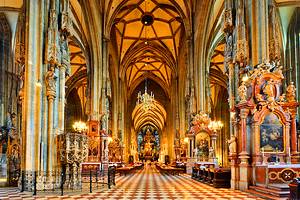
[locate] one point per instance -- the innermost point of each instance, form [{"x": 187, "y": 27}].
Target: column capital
[
  {"x": 244, "y": 113},
  {"x": 50, "y": 95}
]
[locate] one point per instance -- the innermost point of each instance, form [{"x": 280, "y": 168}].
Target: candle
[
  {"x": 263, "y": 152},
  {"x": 289, "y": 152}
]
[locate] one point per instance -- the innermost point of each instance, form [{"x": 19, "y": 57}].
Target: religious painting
[
  {"x": 271, "y": 134},
  {"x": 202, "y": 146}
]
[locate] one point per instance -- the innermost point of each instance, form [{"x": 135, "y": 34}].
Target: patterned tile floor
[{"x": 146, "y": 184}]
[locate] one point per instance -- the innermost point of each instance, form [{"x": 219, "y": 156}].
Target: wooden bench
[
  {"x": 222, "y": 178},
  {"x": 124, "y": 170},
  {"x": 169, "y": 170}
]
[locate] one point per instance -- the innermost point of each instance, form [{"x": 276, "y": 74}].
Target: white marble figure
[{"x": 232, "y": 144}]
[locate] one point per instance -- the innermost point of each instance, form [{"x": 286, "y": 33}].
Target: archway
[{"x": 146, "y": 40}]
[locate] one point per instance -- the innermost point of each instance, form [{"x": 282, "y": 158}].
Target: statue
[
  {"x": 242, "y": 92},
  {"x": 50, "y": 79},
  {"x": 196, "y": 152},
  {"x": 21, "y": 77},
  {"x": 211, "y": 152},
  {"x": 65, "y": 54},
  {"x": 291, "y": 92},
  {"x": 232, "y": 144},
  {"x": 269, "y": 90}
]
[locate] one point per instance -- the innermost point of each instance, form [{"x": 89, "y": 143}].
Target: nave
[{"x": 147, "y": 184}]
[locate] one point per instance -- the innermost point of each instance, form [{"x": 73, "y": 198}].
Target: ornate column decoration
[
  {"x": 53, "y": 59},
  {"x": 66, "y": 21},
  {"x": 50, "y": 81},
  {"x": 64, "y": 69},
  {"x": 241, "y": 47},
  {"x": 52, "y": 45},
  {"x": 274, "y": 47}
]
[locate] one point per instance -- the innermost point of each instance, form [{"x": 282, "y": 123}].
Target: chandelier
[
  {"x": 215, "y": 125},
  {"x": 80, "y": 127},
  {"x": 145, "y": 100}
]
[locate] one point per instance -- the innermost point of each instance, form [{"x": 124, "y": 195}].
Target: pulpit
[{"x": 73, "y": 150}]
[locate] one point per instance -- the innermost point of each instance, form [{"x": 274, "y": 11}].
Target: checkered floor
[{"x": 146, "y": 184}]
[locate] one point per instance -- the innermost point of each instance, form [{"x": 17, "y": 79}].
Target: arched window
[
  {"x": 293, "y": 50},
  {"x": 5, "y": 62}
]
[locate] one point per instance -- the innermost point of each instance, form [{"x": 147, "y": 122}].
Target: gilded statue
[
  {"x": 291, "y": 92},
  {"x": 269, "y": 90},
  {"x": 50, "y": 80},
  {"x": 242, "y": 92}
]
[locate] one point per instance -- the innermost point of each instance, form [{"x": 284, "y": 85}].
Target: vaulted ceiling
[
  {"x": 156, "y": 116},
  {"x": 147, "y": 35}
]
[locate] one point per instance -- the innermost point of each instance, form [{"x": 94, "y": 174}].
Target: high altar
[{"x": 266, "y": 130}]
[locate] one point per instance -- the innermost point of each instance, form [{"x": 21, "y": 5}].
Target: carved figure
[
  {"x": 269, "y": 90},
  {"x": 65, "y": 54},
  {"x": 232, "y": 144},
  {"x": 21, "y": 75},
  {"x": 291, "y": 92},
  {"x": 50, "y": 79},
  {"x": 242, "y": 92},
  {"x": 282, "y": 98},
  {"x": 228, "y": 48},
  {"x": 196, "y": 152}
]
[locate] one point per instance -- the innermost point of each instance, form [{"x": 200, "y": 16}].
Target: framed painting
[{"x": 271, "y": 134}]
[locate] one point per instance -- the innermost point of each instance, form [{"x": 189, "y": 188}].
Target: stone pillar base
[
  {"x": 244, "y": 177},
  {"x": 234, "y": 182},
  {"x": 244, "y": 171}
]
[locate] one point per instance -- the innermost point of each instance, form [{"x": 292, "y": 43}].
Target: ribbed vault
[
  {"x": 147, "y": 35},
  {"x": 156, "y": 116},
  {"x": 218, "y": 79}
]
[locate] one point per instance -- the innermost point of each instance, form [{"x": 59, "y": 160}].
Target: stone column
[
  {"x": 31, "y": 101},
  {"x": 190, "y": 157},
  {"x": 287, "y": 145},
  {"x": 243, "y": 155},
  {"x": 214, "y": 146},
  {"x": 257, "y": 156},
  {"x": 50, "y": 80},
  {"x": 61, "y": 102},
  {"x": 233, "y": 162},
  {"x": 64, "y": 70}
]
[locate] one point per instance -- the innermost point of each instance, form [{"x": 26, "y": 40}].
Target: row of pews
[
  {"x": 129, "y": 169},
  {"x": 207, "y": 173},
  {"x": 169, "y": 170}
]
